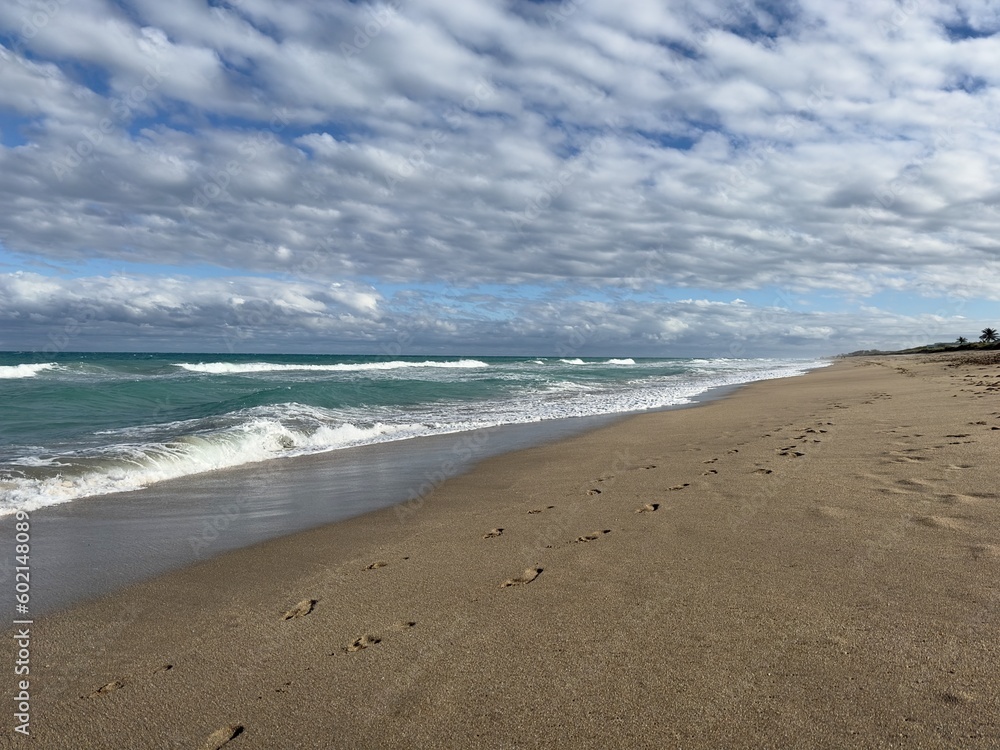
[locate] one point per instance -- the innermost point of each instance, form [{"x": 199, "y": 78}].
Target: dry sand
[{"x": 810, "y": 562}]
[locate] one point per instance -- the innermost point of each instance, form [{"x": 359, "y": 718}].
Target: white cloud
[
  {"x": 842, "y": 149},
  {"x": 254, "y": 314}
]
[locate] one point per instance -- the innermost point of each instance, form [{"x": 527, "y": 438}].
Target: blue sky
[{"x": 710, "y": 179}]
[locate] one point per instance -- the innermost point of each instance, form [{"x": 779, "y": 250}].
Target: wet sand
[
  {"x": 809, "y": 562},
  {"x": 94, "y": 546}
]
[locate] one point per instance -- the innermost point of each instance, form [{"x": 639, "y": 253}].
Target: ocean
[{"x": 78, "y": 425}]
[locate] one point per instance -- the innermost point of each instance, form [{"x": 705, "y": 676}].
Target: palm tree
[
  {"x": 962, "y": 340},
  {"x": 989, "y": 335}
]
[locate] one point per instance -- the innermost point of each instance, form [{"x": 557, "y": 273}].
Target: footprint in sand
[
  {"x": 109, "y": 688},
  {"x": 709, "y": 472},
  {"x": 163, "y": 668},
  {"x": 956, "y": 498},
  {"x": 710, "y": 461},
  {"x": 529, "y": 575},
  {"x": 679, "y": 486},
  {"x": 593, "y": 492},
  {"x": 914, "y": 485},
  {"x": 593, "y": 536},
  {"x": 376, "y": 565},
  {"x": 221, "y": 737},
  {"x": 894, "y": 491},
  {"x": 957, "y": 697},
  {"x": 939, "y": 522},
  {"x": 493, "y": 534},
  {"x": 301, "y": 609},
  {"x": 362, "y": 643},
  {"x": 403, "y": 625},
  {"x": 987, "y": 551},
  {"x": 763, "y": 471},
  {"x": 648, "y": 508}
]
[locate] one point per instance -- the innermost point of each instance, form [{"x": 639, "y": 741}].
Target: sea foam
[
  {"x": 222, "y": 368},
  {"x": 133, "y": 456},
  {"x": 11, "y": 372}
]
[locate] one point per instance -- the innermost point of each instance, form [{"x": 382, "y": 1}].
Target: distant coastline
[{"x": 927, "y": 349}]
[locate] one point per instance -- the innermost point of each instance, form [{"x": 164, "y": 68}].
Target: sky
[{"x": 585, "y": 177}]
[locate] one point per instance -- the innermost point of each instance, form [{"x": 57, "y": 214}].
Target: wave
[
  {"x": 124, "y": 468},
  {"x": 222, "y": 368},
  {"x": 567, "y": 386},
  {"x": 10, "y": 372},
  {"x": 578, "y": 361},
  {"x": 142, "y": 455}
]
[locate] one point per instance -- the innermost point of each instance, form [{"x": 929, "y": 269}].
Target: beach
[{"x": 806, "y": 562}]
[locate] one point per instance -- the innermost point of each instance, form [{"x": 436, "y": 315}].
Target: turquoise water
[{"x": 74, "y": 425}]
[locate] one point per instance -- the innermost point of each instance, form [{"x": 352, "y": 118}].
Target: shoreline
[
  {"x": 115, "y": 450},
  {"x": 816, "y": 565},
  {"x": 91, "y": 547}
]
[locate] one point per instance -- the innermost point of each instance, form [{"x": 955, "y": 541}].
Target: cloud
[
  {"x": 253, "y": 314},
  {"x": 840, "y": 151}
]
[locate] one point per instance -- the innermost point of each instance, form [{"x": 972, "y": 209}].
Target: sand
[{"x": 808, "y": 562}]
